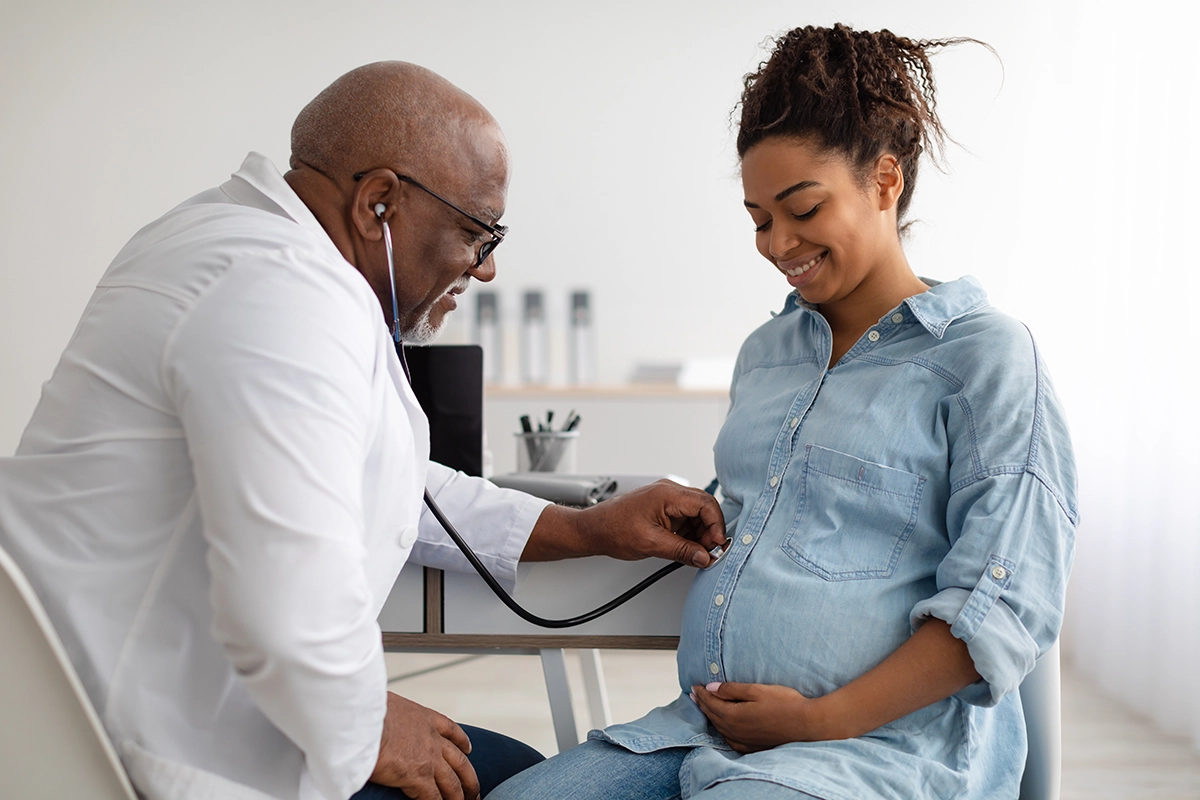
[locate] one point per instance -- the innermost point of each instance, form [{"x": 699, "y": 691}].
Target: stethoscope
[{"x": 380, "y": 209}]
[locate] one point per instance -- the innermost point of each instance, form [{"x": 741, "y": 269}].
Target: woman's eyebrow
[{"x": 799, "y": 187}]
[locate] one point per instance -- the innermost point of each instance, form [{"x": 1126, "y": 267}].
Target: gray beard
[{"x": 422, "y": 331}]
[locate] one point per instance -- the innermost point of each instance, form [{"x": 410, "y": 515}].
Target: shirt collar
[
  {"x": 259, "y": 184},
  {"x": 945, "y": 302},
  {"x": 935, "y": 308}
]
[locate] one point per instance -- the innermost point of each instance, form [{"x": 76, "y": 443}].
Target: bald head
[
  {"x": 391, "y": 114},
  {"x": 365, "y": 153}
]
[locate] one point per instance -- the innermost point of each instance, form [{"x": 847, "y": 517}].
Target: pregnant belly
[{"x": 780, "y": 625}]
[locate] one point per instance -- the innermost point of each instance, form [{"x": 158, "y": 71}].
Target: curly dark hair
[{"x": 858, "y": 93}]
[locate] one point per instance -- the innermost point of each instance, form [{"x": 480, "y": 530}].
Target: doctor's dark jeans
[{"x": 495, "y": 757}]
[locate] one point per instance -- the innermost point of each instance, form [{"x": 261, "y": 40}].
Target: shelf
[{"x": 610, "y": 391}]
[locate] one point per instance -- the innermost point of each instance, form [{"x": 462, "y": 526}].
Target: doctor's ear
[{"x": 376, "y": 198}]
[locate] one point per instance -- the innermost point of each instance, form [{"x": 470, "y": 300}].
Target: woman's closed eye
[{"x": 799, "y": 217}]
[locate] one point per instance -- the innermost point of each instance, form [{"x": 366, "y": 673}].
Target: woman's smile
[{"x": 800, "y": 270}]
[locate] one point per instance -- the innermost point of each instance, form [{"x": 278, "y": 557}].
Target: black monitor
[{"x": 448, "y": 382}]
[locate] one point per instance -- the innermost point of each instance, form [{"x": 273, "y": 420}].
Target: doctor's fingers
[
  {"x": 708, "y": 536},
  {"x": 695, "y": 513},
  {"x": 455, "y": 776},
  {"x": 451, "y": 730},
  {"x": 450, "y": 777}
]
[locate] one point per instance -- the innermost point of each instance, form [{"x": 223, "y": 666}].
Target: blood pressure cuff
[{"x": 580, "y": 491}]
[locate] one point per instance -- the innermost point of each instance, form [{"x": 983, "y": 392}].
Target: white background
[{"x": 1071, "y": 197}]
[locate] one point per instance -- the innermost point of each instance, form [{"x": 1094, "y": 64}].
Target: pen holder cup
[{"x": 547, "y": 451}]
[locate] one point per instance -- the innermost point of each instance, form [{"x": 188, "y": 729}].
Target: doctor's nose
[{"x": 486, "y": 271}]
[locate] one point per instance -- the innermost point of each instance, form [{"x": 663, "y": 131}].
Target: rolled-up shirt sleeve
[
  {"x": 1011, "y": 521},
  {"x": 495, "y": 522},
  {"x": 271, "y": 378},
  {"x": 1002, "y": 586}
]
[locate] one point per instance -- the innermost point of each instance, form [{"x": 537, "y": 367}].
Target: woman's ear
[{"x": 889, "y": 181}]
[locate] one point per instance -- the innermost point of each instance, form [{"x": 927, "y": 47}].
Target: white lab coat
[{"x": 216, "y": 492}]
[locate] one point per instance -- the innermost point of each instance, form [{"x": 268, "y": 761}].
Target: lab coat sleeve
[
  {"x": 495, "y": 522},
  {"x": 270, "y": 374},
  {"x": 1011, "y": 520}
]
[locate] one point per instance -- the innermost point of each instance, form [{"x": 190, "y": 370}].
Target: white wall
[
  {"x": 625, "y": 181},
  {"x": 1071, "y": 199}
]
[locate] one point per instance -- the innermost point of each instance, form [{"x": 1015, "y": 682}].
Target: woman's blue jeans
[
  {"x": 602, "y": 771},
  {"x": 494, "y": 756}
]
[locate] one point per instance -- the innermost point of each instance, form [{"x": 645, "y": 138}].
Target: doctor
[{"x": 224, "y": 474}]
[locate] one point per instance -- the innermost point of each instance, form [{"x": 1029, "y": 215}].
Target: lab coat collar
[{"x": 259, "y": 184}]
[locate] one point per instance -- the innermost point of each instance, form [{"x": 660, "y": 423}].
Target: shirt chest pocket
[{"x": 854, "y": 516}]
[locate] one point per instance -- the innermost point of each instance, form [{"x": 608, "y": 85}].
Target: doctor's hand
[
  {"x": 663, "y": 520},
  {"x": 424, "y": 753}
]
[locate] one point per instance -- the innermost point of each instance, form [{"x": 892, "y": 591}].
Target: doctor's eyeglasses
[{"x": 497, "y": 231}]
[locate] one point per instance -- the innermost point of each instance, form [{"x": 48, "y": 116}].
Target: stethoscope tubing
[
  {"x": 453, "y": 533},
  {"x": 516, "y": 608}
]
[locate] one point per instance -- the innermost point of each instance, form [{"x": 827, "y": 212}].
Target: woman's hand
[
  {"x": 930, "y": 666},
  {"x": 756, "y": 716}
]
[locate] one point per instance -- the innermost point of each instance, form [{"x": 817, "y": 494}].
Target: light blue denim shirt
[{"x": 928, "y": 474}]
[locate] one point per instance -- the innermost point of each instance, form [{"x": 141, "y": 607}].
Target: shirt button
[
  {"x": 873, "y": 336},
  {"x": 719, "y": 599},
  {"x": 774, "y": 481},
  {"x": 713, "y": 668},
  {"x": 795, "y": 421},
  {"x": 747, "y": 539},
  {"x": 897, "y": 318},
  {"x": 999, "y": 573}
]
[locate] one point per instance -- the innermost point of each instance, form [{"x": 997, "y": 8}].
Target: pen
[
  {"x": 530, "y": 445},
  {"x": 572, "y": 423}
]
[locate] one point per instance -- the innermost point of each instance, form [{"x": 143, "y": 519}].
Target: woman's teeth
[{"x": 805, "y": 267}]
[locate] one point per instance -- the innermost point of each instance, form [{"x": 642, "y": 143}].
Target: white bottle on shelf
[
  {"x": 582, "y": 350},
  {"x": 488, "y": 335},
  {"x": 535, "y": 356}
]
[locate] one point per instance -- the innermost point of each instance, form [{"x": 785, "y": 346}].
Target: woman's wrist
[{"x": 828, "y": 718}]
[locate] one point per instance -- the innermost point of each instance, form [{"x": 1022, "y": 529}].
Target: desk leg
[
  {"x": 597, "y": 692},
  {"x": 554, "y": 667}
]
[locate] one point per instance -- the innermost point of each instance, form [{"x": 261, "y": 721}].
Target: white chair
[
  {"x": 1042, "y": 701},
  {"x": 51, "y": 741}
]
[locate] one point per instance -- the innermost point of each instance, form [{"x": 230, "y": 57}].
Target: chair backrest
[
  {"x": 1042, "y": 701},
  {"x": 51, "y": 741}
]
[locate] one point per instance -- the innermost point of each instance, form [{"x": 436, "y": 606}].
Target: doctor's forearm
[{"x": 557, "y": 535}]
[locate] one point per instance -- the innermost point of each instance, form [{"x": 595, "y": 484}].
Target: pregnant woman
[{"x": 898, "y": 480}]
